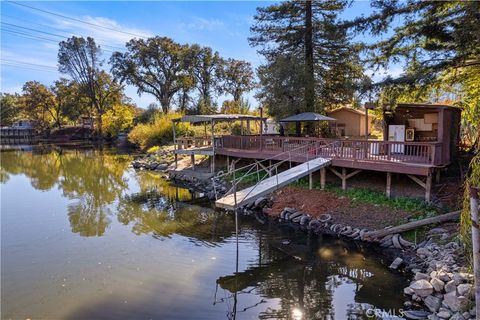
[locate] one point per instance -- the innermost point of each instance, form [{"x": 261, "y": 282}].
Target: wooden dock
[{"x": 249, "y": 195}]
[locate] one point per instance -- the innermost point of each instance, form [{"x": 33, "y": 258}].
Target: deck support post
[
  {"x": 344, "y": 179},
  {"x": 344, "y": 176},
  {"x": 428, "y": 187},
  {"x": 389, "y": 184},
  {"x": 192, "y": 159},
  {"x": 323, "y": 173},
  {"x": 228, "y": 164},
  {"x": 310, "y": 181},
  {"x": 176, "y": 160},
  {"x": 437, "y": 176}
]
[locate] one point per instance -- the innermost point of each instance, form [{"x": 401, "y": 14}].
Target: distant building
[{"x": 350, "y": 122}]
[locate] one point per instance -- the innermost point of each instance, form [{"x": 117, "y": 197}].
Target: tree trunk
[{"x": 309, "y": 74}]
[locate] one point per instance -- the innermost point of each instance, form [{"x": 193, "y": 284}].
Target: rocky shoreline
[{"x": 441, "y": 288}]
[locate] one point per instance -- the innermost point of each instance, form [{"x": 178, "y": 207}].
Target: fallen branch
[{"x": 412, "y": 225}]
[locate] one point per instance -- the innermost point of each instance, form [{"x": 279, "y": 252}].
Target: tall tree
[
  {"x": 308, "y": 34},
  {"x": 80, "y": 58},
  {"x": 207, "y": 70},
  {"x": 70, "y": 100},
  {"x": 435, "y": 36},
  {"x": 38, "y": 102},
  {"x": 158, "y": 66},
  {"x": 238, "y": 78}
]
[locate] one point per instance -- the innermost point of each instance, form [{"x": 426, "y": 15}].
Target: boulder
[
  {"x": 437, "y": 284},
  {"x": 433, "y": 303},
  {"x": 396, "y": 263},
  {"x": 450, "y": 286},
  {"x": 464, "y": 289},
  {"x": 408, "y": 291},
  {"x": 444, "y": 314},
  {"x": 450, "y": 300},
  {"x": 420, "y": 276},
  {"x": 424, "y": 252},
  {"x": 422, "y": 288},
  {"x": 457, "y": 316},
  {"x": 444, "y": 276}
]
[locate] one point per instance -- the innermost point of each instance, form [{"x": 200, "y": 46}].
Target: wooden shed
[
  {"x": 434, "y": 123},
  {"x": 350, "y": 122}
]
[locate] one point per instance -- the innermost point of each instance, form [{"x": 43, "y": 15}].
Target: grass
[{"x": 249, "y": 180}]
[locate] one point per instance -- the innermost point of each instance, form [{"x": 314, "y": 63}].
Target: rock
[
  {"x": 162, "y": 167},
  {"x": 450, "y": 300},
  {"x": 414, "y": 314},
  {"x": 420, "y": 276},
  {"x": 442, "y": 275},
  {"x": 450, "y": 286},
  {"x": 466, "y": 315},
  {"x": 424, "y": 252},
  {"x": 433, "y": 303},
  {"x": 396, "y": 263},
  {"x": 457, "y": 316},
  {"x": 437, "y": 284},
  {"x": 444, "y": 314},
  {"x": 422, "y": 288},
  {"x": 408, "y": 291},
  {"x": 464, "y": 289}
]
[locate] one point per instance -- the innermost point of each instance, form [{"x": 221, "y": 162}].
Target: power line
[
  {"x": 29, "y": 35},
  {"x": 102, "y": 41},
  {"x": 53, "y": 34},
  {"x": 6, "y": 64},
  {"x": 75, "y": 19},
  {"x": 29, "y": 63}
]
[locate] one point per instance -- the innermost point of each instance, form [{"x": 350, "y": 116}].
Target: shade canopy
[
  {"x": 307, "y": 116},
  {"x": 216, "y": 118}
]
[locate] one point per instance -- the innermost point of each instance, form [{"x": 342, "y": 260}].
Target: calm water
[{"x": 85, "y": 237}]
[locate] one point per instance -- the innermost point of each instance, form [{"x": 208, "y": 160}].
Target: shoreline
[{"x": 441, "y": 286}]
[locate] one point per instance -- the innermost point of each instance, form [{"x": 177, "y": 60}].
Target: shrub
[
  {"x": 158, "y": 132},
  {"x": 117, "y": 119},
  {"x": 153, "y": 149}
]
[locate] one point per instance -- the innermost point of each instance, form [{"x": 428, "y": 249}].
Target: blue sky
[{"x": 28, "y": 54}]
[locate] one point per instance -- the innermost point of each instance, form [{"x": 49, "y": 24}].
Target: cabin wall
[{"x": 350, "y": 120}]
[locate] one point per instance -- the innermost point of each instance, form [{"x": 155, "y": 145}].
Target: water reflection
[{"x": 119, "y": 270}]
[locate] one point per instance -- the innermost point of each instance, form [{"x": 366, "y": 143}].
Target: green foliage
[
  {"x": 71, "y": 102},
  {"x": 153, "y": 149},
  {"x": 473, "y": 180},
  {"x": 157, "y": 65},
  {"x": 235, "y": 107},
  {"x": 238, "y": 78},
  {"x": 38, "y": 102},
  {"x": 158, "y": 132},
  {"x": 117, "y": 119},
  {"x": 10, "y": 108}
]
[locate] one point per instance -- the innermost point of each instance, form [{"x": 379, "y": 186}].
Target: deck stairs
[{"x": 271, "y": 181}]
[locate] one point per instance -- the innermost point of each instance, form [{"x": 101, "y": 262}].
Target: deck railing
[
  {"x": 357, "y": 150},
  {"x": 192, "y": 142}
]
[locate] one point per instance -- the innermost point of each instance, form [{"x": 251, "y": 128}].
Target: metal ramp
[{"x": 233, "y": 200}]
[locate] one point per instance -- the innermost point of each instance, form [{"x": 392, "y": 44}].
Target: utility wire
[
  {"x": 75, "y": 19},
  {"x": 6, "y": 64},
  {"x": 29, "y": 63},
  {"x": 29, "y": 35},
  {"x": 53, "y": 34}
]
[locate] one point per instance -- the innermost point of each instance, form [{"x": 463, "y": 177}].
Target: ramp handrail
[{"x": 268, "y": 169}]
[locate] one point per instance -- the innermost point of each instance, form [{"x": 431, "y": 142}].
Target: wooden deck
[
  {"x": 249, "y": 195},
  {"x": 418, "y": 158}
]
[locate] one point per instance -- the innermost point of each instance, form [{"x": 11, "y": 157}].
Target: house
[{"x": 350, "y": 122}]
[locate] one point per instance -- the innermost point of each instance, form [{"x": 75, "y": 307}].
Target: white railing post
[{"x": 474, "y": 195}]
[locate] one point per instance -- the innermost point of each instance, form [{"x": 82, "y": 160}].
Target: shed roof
[
  {"x": 216, "y": 117},
  {"x": 307, "y": 116},
  {"x": 356, "y": 111}
]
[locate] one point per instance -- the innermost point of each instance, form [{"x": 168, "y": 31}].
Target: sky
[{"x": 30, "y": 32}]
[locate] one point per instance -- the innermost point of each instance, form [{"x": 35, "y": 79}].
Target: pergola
[{"x": 205, "y": 145}]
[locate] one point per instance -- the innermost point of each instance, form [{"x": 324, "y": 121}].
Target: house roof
[
  {"x": 427, "y": 105},
  {"x": 360, "y": 112},
  {"x": 216, "y": 118},
  {"x": 307, "y": 116}
]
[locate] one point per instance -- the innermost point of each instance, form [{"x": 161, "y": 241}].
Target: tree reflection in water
[{"x": 304, "y": 276}]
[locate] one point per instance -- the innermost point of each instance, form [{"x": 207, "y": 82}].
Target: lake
[{"x": 83, "y": 236}]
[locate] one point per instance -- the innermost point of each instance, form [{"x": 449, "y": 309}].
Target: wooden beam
[
  {"x": 176, "y": 160},
  {"x": 323, "y": 173},
  {"x": 263, "y": 167},
  {"x": 351, "y": 174},
  {"x": 413, "y": 225},
  {"x": 192, "y": 159},
  {"x": 389, "y": 183},
  {"x": 417, "y": 180},
  {"x": 428, "y": 188},
  {"x": 437, "y": 176},
  {"x": 335, "y": 172},
  {"x": 344, "y": 178},
  {"x": 310, "y": 181}
]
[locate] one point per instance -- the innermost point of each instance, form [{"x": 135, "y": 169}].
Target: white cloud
[{"x": 203, "y": 24}]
